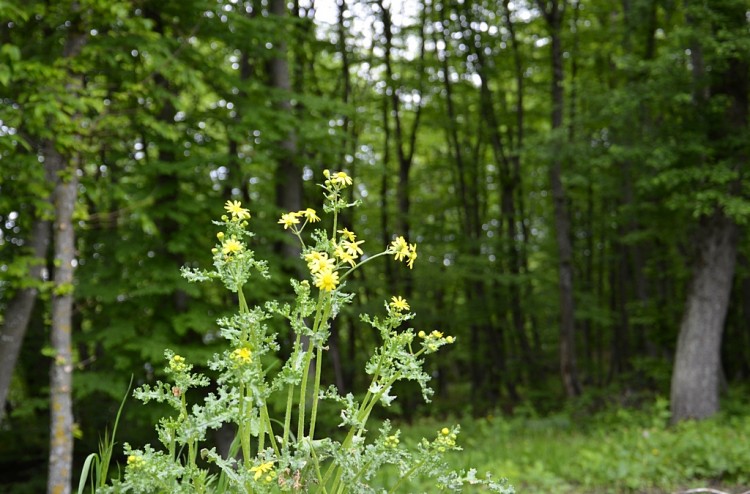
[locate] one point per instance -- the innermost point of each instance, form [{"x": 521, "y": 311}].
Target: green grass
[{"x": 619, "y": 451}]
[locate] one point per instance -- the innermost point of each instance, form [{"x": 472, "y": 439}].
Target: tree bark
[
  {"x": 697, "y": 367},
  {"x": 61, "y": 372},
  {"x": 697, "y": 372}
]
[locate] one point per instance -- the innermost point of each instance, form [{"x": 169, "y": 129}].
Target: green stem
[
  {"x": 244, "y": 309},
  {"x": 316, "y": 463},
  {"x": 319, "y": 317},
  {"x": 335, "y": 215},
  {"x": 406, "y": 476},
  {"x": 303, "y": 395},
  {"x": 336, "y": 482},
  {"x": 375, "y": 399},
  {"x": 191, "y": 454},
  {"x": 316, "y": 390},
  {"x": 243, "y": 429},
  {"x": 361, "y": 471},
  {"x": 350, "y": 435},
  {"x": 380, "y": 254},
  {"x": 290, "y": 399},
  {"x": 265, "y": 417},
  {"x": 318, "y": 369}
]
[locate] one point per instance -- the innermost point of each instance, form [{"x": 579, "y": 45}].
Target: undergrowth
[{"x": 615, "y": 451}]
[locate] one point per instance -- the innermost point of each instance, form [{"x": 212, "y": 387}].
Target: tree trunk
[
  {"x": 61, "y": 372},
  {"x": 19, "y": 308},
  {"x": 553, "y": 13},
  {"x": 697, "y": 367},
  {"x": 697, "y": 373}
]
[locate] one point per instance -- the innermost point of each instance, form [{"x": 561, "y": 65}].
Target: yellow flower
[
  {"x": 314, "y": 255},
  {"x": 310, "y": 215},
  {"x": 231, "y": 246},
  {"x": 449, "y": 339},
  {"x": 326, "y": 280},
  {"x": 353, "y": 247},
  {"x": 136, "y": 461},
  {"x": 445, "y": 431},
  {"x": 177, "y": 363},
  {"x": 350, "y": 236},
  {"x": 399, "y": 248},
  {"x": 436, "y": 334},
  {"x": 412, "y": 256},
  {"x": 344, "y": 256},
  {"x": 422, "y": 334},
  {"x": 399, "y": 304},
  {"x": 242, "y": 355},
  {"x": 289, "y": 219},
  {"x": 261, "y": 469},
  {"x": 320, "y": 263},
  {"x": 391, "y": 441},
  {"x": 238, "y": 212},
  {"x": 341, "y": 179}
]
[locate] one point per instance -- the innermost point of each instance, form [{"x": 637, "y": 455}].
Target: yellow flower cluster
[
  {"x": 445, "y": 440},
  {"x": 237, "y": 211},
  {"x": 338, "y": 180},
  {"x": 242, "y": 355},
  {"x": 348, "y": 249},
  {"x": 292, "y": 218},
  {"x": 435, "y": 339},
  {"x": 391, "y": 441},
  {"x": 402, "y": 250},
  {"x": 323, "y": 270},
  {"x": 177, "y": 363},
  {"x": 264, "y": 469},
  {"x": 136, "y": 461}
]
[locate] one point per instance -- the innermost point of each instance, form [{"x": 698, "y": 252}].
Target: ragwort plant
[{"x": 286, "y": 455}]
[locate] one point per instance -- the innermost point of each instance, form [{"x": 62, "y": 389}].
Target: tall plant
[{"x": 286, "y": 455}]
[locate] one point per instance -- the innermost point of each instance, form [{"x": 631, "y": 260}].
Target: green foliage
[
  {"x": 97, "y": 465},
  {"x": 618, "y": 450}
]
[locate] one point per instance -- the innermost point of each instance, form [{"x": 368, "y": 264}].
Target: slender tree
[
  {"x": 553, "y": 12},
  {"x": 61, "y": 374}
]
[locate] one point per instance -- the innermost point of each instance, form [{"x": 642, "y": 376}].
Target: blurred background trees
[{"x": 573, "y": 172}]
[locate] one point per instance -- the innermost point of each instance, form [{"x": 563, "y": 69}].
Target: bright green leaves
[{"x": 8, "y": 55}]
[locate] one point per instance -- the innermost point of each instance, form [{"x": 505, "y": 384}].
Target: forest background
[{"x": 574, "y": 173}]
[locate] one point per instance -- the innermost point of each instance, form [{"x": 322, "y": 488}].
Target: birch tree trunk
[
  {"x": 65, "y": 168},
  {"x": 61, "y": 372}
]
